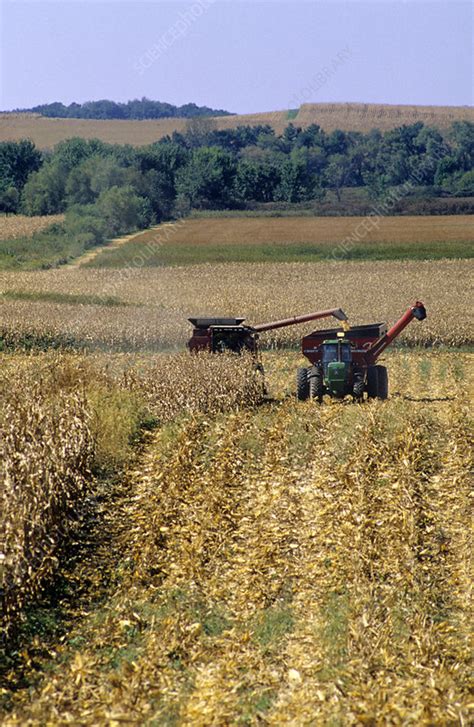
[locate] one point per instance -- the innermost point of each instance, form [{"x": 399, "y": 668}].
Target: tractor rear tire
[
  {"x": 359, "y": 385},
  {"x": 302, "y": 384},
  {"x": 316, "y": 388},
  {"x": 382, "y": 382},
  {"x": 377, "y": 382},
  {"x": 372, "y": 382}
]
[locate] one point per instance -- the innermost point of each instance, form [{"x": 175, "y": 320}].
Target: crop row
[
  {"x": 63, "y": 422},
  {"x": 157, "y": 302}
]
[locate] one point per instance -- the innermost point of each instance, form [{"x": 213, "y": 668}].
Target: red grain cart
[{"x": 345, "y": 361}]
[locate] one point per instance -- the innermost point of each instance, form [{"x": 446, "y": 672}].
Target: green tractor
[
  {"x": 344, "y": 362},
  {"x": 339, "y": 373}
]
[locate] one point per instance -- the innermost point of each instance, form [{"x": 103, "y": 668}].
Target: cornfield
[
  {"x": 159, "y": 301},
  {"x": 177, "y": 384},
  {"x": 56, "y": 422},
  {"x": 13, "y": 226},
  {"x": 45, "y": 455},
  {"x": 287, "y": 564},
  {"x": 249, "y": 562}
]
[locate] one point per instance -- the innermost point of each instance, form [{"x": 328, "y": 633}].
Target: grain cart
[
  {"x": 217, "y": 335},
  {"x": 344, "y": 361}
]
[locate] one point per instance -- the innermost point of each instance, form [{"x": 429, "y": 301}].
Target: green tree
[
  {"x": 462, "y": 134},
  {"x": 71, "y": 152},
  {"x": 207, "y": 181},
  {"x": 294, "y": 181},
  {"x": 17, "y": 161},
  {"x": 256, "y": 180},
  {"x": 445, "y": 173},
  {"x": 123, "y": 210},
  {"x": 337, "y": 173},
  {"x": 95, "y": 175},
  {"x": 465, "y": 184},
  {"x": 9, "y": 197},
  {"x": 44, "y": 193}
]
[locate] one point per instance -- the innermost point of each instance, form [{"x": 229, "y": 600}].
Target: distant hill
[
  {"x": 46, "y": 132},
  {"x": 138, "y": 109}
]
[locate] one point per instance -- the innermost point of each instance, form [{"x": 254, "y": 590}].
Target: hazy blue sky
[{"x": 241, "y": 56}]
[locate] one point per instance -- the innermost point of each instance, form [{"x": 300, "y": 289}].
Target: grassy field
[
  {"x": 293, "y": 239},
  {"x": 46, "y": 132},
  {"x": 281, "y": 564},
  {"x": 15, "y": 226}
]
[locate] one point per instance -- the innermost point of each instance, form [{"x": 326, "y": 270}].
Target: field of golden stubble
[
  {"x": 287, "y": 564},
  {"x": 324, "y": 231},
  {"x": 68, "y": 419},
  {"x": 13, "y": 226},
  {"x": 158, "y": 301}
]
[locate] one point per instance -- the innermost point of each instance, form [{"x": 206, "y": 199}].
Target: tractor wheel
[
  {"x": 359, "y": 386},
  {"x": 372, "y": 382},
  {"x": 316, "y": 389},
  {"x": 382, "y": 382},
  {"x": 302, "y": 384},
  {"x": 377, "y": 382}
]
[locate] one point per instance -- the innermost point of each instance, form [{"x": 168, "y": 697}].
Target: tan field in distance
[
  {"x": 12, "y": 226},
  {"x": 46, "y": 132},
  {"x": 227, "y": 231}
]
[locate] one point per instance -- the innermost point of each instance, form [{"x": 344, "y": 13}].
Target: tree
[
  {"x": 9, "y": 198},
  {"x": 337, "y": 173},
  {"x": 17, "y": 161},
  {"x": 198, "y": 131},
  {"x": 462, "y": 134},
  {"x": 207, "y": 181},
  {"x": 44, "y": 193},
  {"x": 312, "y": 136},
  {"x": 445, "y": 173},
  {"x": 290, "y": 188},
  {"x": 71, "y": 152},
  {"x": 256, "y": 181},
  {"x": 290, "y": 136},
  {"x": 78, "y": 185},
  {"x": 336, "y": 142},
  {"x": 142, "y": 108},
  {"x": 123, "y": 210},
  {"x": 465, "y": 184}
]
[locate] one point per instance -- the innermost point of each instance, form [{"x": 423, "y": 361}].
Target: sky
[{"x": 244, "y": 56}]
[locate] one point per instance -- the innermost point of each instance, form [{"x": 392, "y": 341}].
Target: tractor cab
[
  {"x": 336, "y": 360},
  {"x": 336, "y": 351}
]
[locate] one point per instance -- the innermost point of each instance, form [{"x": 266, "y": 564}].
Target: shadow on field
[{"x": 424, "y": 399}]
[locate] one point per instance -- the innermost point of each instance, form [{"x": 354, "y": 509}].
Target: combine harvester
[
  {"x": 217, "y": 335},
  {"x": 343, "y": 360}
]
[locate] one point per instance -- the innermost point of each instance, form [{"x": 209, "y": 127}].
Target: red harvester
[{"x": 217, "y": 335}]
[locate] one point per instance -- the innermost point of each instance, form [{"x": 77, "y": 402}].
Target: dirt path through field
[
  {"x": 117, "y": 242},
  {"x": 293, "y": 564}
]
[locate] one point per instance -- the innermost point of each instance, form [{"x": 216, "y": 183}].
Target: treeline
[
  {"x": 111, "y": 189},
  {"x": 205, "y": 168},
  {"x": 143, "y": 108}
]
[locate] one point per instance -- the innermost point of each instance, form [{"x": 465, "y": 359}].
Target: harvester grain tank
[
  {"x": 217, "y": 335},
  {"x": 345, "y": 361}
]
